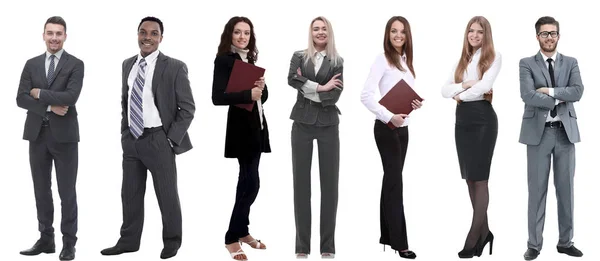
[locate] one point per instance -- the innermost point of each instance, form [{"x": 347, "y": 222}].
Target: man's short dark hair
[
  {"x": 56, "y": 20},
  {"x": 546, "y": 20},
  {"x": 153, "y": 19}
]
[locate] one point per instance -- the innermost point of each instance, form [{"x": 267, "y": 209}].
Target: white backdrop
[{"x": 437, "y": 205}]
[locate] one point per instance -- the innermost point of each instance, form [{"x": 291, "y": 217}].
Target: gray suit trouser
[
  {"x": 329, "y": 157},
  {"x": 556, "y": 147}
]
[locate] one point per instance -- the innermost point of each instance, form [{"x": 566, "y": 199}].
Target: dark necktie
[
  {"x": 51, "y": 68},
  {"x": 551, "y": 71}
]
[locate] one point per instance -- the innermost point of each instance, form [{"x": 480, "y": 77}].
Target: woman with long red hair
[{"x": 476, "y": 128}]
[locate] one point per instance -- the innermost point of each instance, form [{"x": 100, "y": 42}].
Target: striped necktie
[
  {"x": 51, "y": 68},
  {"x": 136, "y": 109}
]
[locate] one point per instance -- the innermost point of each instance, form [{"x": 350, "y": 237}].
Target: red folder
[
  {"x": 243, "y": 75},
  {"x": 398, "y": 99}
]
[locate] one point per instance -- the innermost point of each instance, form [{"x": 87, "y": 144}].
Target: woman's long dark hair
[{"x": 227, "y": 38}]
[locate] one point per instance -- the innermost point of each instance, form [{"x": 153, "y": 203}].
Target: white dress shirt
[
  {"x": 476, "y": 92},
  {"x": 309, "y": 89},
  {"x": 57, "y": 56},
  {"x": 384, "y": 76},
  {"x": 551, "y": 90},
  {"x": 150, "y": 111},
  {"x": 244, "y": 55}
]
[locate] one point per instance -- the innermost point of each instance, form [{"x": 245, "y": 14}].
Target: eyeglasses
[{"x": 545, "y": 34}]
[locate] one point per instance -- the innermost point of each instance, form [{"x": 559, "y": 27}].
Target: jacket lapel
[
  {"x": 542, "y": 64},
  {"x": 161, "y": 64},
  {"x": 324, "y": 70},
  {"x": 41, "y": 63},
  {"x": 63, "y": 59},
  {"x": 126, "y": 70},
  {"x": 558, "y": 72}
]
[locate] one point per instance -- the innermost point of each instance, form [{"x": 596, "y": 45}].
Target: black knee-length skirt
[{"x": 475, "y": 134}]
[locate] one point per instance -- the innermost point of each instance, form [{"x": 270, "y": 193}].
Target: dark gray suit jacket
[
  {"x": 534, "y": 74},
  {"x": 306, "y": 111},
  {"x": 172, "y": 97},
  {"x": 63, "y": 90}
]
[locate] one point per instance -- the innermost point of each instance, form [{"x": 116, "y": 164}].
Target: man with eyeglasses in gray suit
[{"x": 550, "y": 85}]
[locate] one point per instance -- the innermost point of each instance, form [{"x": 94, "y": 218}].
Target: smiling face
[
  {"x": 397, "y": 35},
  {"x": 149, "y": 37},
  {"x": 475, "y": 35},
  {"x": 549, "y": 43},
  {"x": 241, "y": 35},
  {"x": 54, "y": 37},
  {"x": 319, "y": 34}
]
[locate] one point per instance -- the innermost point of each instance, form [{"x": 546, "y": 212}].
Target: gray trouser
[
  {"x": 555, "y": 147},
  {"x": 329, "y": 157}
]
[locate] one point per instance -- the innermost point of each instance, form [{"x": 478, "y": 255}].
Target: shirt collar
[
  {"x": 546, "y": 57},
  {"x": 57, "y": 54},
  {"x": 150, "y": 58}
]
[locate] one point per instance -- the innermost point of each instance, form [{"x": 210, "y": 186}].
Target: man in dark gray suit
[
  {"x": 550, "y": 84},
  {"x": 49, "y": 88},
  {"x": 157, "y": 110}
]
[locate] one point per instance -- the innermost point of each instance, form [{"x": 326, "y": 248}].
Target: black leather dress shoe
[
  {"x": 571, "y": 251},
  {"x": 168, "y": 253},
  {"x": 67, "y": 253},
  {"x": 531, "y": 254},
  {"x": 116, "y": 250},
  {"x": 39, "y": 247}
]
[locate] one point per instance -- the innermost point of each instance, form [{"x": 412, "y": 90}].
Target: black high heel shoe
[
  {"x": 489, "y": 238},
  {"x": 474, "y": 251}
]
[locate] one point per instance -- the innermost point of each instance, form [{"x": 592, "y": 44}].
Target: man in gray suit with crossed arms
[
  {"x": 49, "y": 88},
  {"x": 550, "y": 84}
]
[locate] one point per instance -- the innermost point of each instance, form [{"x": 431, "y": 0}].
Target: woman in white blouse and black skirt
[
  {"x": 388, "y": 69},
  {"x": 476, "y": 128}
]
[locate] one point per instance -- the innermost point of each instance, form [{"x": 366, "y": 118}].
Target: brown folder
[
  {"x": 242, "y": 77},
  {"x": 398, "y": 99}
]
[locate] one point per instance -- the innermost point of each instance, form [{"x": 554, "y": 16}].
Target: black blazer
[
  {"x": 172, "y": 96},
  {"x": 63, "y": 90},
  {"x": 243, "y": 137},
  {"x": 324, "y": 113}
]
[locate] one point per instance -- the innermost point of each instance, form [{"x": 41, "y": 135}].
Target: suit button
[{"x": 545, "y": 115}]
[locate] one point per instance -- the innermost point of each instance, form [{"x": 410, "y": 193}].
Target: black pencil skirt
[{"x": 475, "y": 134}]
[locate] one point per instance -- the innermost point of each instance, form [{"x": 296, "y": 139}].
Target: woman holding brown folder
[
  {"x": 247, "y": 135},
  {"x": 316, "y": 74},
  {"x": 476, "y": 128},
  {"x": 389, "y": 68}
]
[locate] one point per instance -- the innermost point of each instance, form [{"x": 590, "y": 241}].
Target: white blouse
[
  {"x": 384, "y": 76},
  {"x": 476, "y": 92}
]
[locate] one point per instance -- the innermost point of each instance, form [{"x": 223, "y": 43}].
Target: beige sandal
[
  {"x": 237, "y": 253},
  {"x": 301, "y": 256},
  {"x": 256, "y": 244}
]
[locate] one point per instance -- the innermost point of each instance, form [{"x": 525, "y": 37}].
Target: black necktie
[{"x": 551, "y": 71}]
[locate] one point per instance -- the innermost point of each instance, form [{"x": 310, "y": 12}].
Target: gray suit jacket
[
  {"x": 306, "y": 111},
  {"x": 172, "y": 96},
  {"x": 63, "y": 90},
  {"x": 534, "y": 74}
]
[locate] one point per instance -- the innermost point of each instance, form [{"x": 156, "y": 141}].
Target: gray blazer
[
  {"x": 64, "y": 90},
  {"x": 172, "y": 96},
  {"x": 306, "y": 111},
  {"x": 534, "y": 74}
]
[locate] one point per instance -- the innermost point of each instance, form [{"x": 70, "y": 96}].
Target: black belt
[
  {"x": 554, "y": 124},
  {"x": 153, "y": 129}
]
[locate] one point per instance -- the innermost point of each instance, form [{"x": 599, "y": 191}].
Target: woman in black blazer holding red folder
[{"x": 247, "y": 135}]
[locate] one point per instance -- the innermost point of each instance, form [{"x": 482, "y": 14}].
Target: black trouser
[
  {"x": 152, "y": 152},
  {"x": 42, "y": 152},
  {"x": 392, "y": 145},
  {"x": 247, "y": 190}
]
